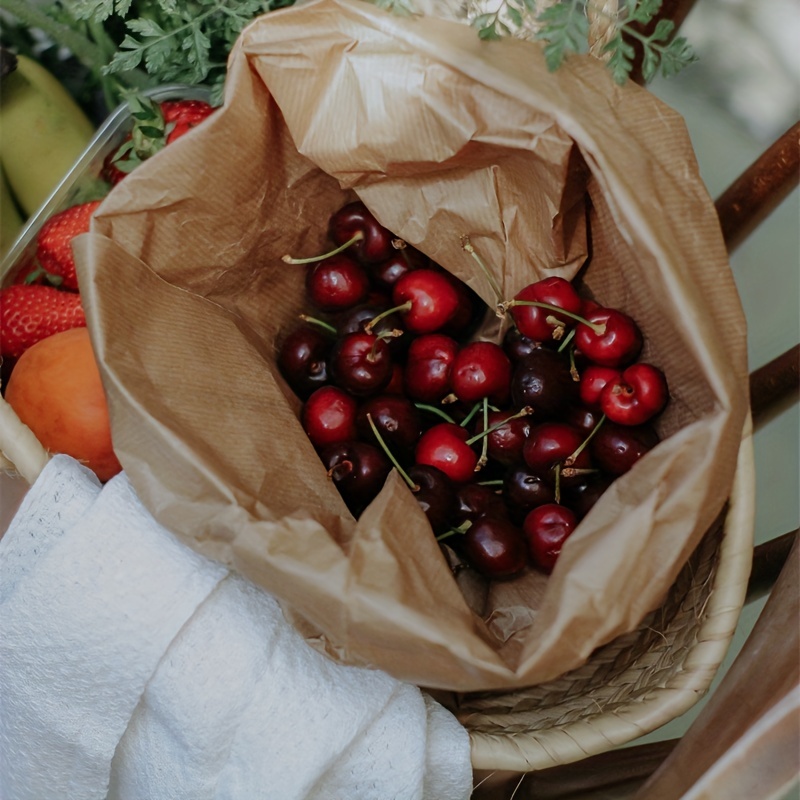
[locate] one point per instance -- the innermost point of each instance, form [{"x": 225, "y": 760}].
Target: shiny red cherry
[
  {"x": 337, "y": 283},
  {"x": 636, "y": 397},
  {"x": 303, "y": 359},
  {"x": 593, "y": 381},
  {"x": 546, "y": 528},
  {"x": 550, "y": 445},
  {"x": 524, "y": 490},
  {"x": 517, "y": 346},
  {"x": 616, "y": 448},
  {"x": 542, "y": 380},
  {"x": 329, "y": 416},
  {"x": 429, "y": 367},
  {"x": 355, "y": 219},
  {"x": 495, "y": 548},
  {"x": 445, "y": 447},
  {"x": 361, "y": 363},
  {"x": 397, "y": 420},
  {"x": 505, "y": 443},
  {"x": 427, "y": 300},
  {"x": 435, "y": 495},
  {"x": 358, "y": 471},
  {"x": 544, "y": 324},
  {"x": 481, "y": 369},
  {"x": 475, "y": 500},
  {"x": 610, "y": 339}
]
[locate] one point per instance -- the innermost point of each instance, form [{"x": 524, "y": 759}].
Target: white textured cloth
[{"x": 132, "y": 668}]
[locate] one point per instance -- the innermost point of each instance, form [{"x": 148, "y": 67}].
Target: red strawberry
[
  {"x": 32, "y": 313},
  {"x": 185, "y": 114},
  {"x": 54, "y": 250}
]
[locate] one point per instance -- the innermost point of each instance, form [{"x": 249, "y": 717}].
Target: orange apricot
[{"x": 55, "y": 390}]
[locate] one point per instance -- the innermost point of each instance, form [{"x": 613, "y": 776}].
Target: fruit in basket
[
  {"x": 32, "y": 313},
  {"x": 42, "y": 132},
  {"x": 55, "y": 389},
  {"x": 54, "y": 242}
]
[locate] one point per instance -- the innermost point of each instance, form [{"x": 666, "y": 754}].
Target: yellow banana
[
  {"x": 42, "y": 132},
  {"x": 10, "y": 219}
]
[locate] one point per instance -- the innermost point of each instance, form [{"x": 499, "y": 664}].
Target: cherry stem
[
  {"x": 485, "y": 436},
  {"x": 403, "y": 474},
  {"x": 597, "y": 327},
  {"x": 468, "y": 247},
  {"x": 485, "y": 433},
  {"x": 375, "y": 320},
  {"x": 569, "y": 461},
  {"x": 435, "y": 410},
  {"x": 472, "y": 413},
  {"x": 571, "y": 472},
  {"x": 567, "y": 339},
  {"x": 359, "y": 235},
  {"x": 458, "y": 531},
  {"x": 557, "y": 492},
  {"x": 319, "y": 323},
  {"x": 498, "y": 482},
  {"x": 573, "y": 367}
]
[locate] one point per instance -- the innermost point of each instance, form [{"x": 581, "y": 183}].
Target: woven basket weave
[{"x": 627, "y": 688}]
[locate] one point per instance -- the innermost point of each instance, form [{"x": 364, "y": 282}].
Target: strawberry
[
  {"x": 32, "y": 313},
  {"x": 53, "y": 244},
  {"x": 155, "y": 126}
]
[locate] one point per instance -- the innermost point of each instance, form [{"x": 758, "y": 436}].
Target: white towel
[{"x": 133, "y": 668}]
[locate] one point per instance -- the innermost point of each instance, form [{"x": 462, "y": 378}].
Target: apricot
[{"x": 55, "y": 390}]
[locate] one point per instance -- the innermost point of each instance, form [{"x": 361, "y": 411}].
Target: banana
[
  {"x": 43, "y": 131},
  {"x": 10, "y": 219}
]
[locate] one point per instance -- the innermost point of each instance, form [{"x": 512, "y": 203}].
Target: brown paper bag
[{"x": 441, "y": 135}]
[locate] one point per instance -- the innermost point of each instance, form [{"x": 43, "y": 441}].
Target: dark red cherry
[
  {"x": 616, "y": 448},
  {"x": 397, "y": 420},
  {"x": 329, "y": 416},
  {"x": 517, "y": 346},
  {"x": 468, "y": 312},
  {"x": 358, "y": 470},
  {"x": 543, "y": 381},
  {"x": 582, "y": 497},
  {"x": 302, "y": 359},
  {"x": 495, "y": 548},
  {"x": 430, "y": 300},
  {"x": 361, "y": 363},
  {"x": 505, "y": 443},
  {"x": 436, "y": 496},
  {"x": 636, "y": 397},
  {"x": 549, "y": 445},
  {"x": 356, "y": 319},
  {"x": 337, "y": 283},
  {"x": 354, "y": 219},
  {"x": 429, "y": 367},
  {"x": 387, "y": 273},
  {"x": 593, "y": 381},
  {"x": 445, "y": 447},
  {"x": 612, "y": 339},
  {"x": 481, "y": 369},
  {"x": 545, "y": 324},
  {"x": 524, "y": 490},
  {"x": 475, "y": 500},
  {"x": 582, "y": 418},
  {"x": 546, "y": 528}
]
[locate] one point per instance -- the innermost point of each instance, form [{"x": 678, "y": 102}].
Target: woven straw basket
[{"x": 627, "y": 688}]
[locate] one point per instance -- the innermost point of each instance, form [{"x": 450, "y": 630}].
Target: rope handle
[{"x": 20, "y": 450}]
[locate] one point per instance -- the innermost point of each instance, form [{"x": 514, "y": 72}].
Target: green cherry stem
[
  {"x": 319, "y": 323},
  {"x": 468, "y": 247},
  {"x": 435, "y": 410},
  {"x": 287, "y": 259},
  {"x": 502, "y": 309},
  {"x": 557, "y": 491},
  {"x": 485, "y": 433},
  {"x": 570, "y": 460},
  {"x": 403, "y": 474},
  {"x": 567, "y": 339},
  {"x": 457, "y": 531},
  {"x": 473, "y": 411},
  {"x": 375, "y": 320}
]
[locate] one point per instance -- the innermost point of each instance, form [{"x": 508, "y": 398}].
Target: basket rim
[{"x": 526, "y": 751}]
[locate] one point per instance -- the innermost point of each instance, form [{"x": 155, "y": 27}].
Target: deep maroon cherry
[
  {"x": 468, "y": 312},
  {"x": 481, "y": 369},
  {"x": 355, "y": 320},
  {"x": 386, "y": 274},
  {"x": 397, "y": 420},
  {"x": 545, "y": 324},
  {"x": 611, "y": 339},
  {"x": 445, "y": 447},
  {"x": 593, "y": 381},
  {"x": 582, "y": 418},
  {"x": 517, "y": 346},
  {"x": 436, "y": 496},
  {"x": 505, "y": 443},
  {"x": 616, "y": 448},
  {"x": 428, "y": 300},
  {"x": 543, "y": 381},
  {"x": 429, "y": 367},
  {"x": 361, "y": 363},
  {"x": 636, "y": 397},
  {"x": 546, "y": 529},
  {"x": 582, "y": 497},
  {"x": 337, "y": 283},
  {"x": 356, "y": 219},
  {"x": 495, "y": 548},
  {"x": 329, "y": 416},
  {"x": 475, "y": 500},
  {"x": 358, "y": 470},
  {"x": 550, "y": 445},
  {"x": 524, "y": 490},
  {"x": 302, "y": 359}
]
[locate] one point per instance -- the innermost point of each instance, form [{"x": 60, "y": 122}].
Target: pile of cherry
[{"x": 504, "y": 446}]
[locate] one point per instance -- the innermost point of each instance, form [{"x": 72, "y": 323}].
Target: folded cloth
[{"x": 131, "y": 667}]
